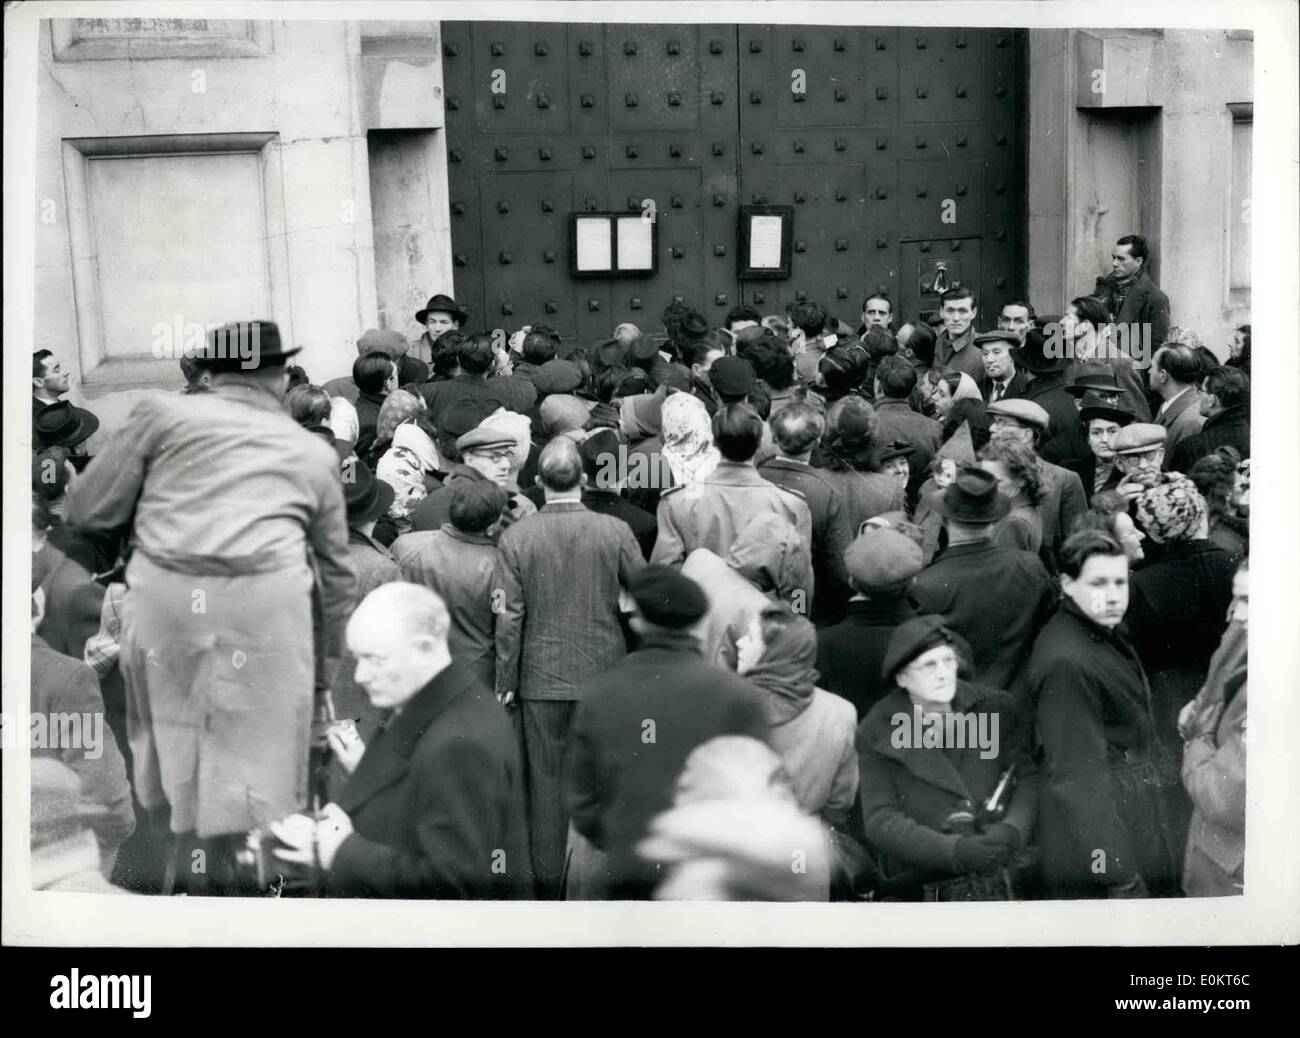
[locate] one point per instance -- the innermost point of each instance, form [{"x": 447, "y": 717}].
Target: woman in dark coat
[
  {"x": 1101, "y": 422},
  {"x": 1105, "y": 828},
  {"x": 924, "y": 800}
]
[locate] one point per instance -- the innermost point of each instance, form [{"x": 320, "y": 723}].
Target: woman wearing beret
[
  {"x": 940, "y": 804},
  {"x": 1105, "y": 829}
]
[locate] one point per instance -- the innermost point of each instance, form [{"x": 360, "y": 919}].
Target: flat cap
[
  {"x": 997, "y": 335},
  {"x": 557, "y": 376},
  {"x": 882, "y": 558},
  {"x": 390, "y": 342},
  {"x": 1140, "y": 437},
  {"x": 483, "y": 439},
  {"x": 732, "y": 376},
  {"x": 666, "y": 598},
  {"x": 911, "y": 639},
  {"x": 1024, "y": 411}
]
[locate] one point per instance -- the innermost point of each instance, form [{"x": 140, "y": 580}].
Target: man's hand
[
  {"x": 506, "y": 698},
  {"x": 332, "y": 828},
  {"x": 346, "y": 746},
  {"x": 298, "y": 833}
]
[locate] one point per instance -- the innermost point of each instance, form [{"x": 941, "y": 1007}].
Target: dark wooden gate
[{"x": 899, "y": 149}]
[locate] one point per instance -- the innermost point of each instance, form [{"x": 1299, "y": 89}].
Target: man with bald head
[
  {"x": 432, "y": 807},
  {"x": 556, "y": 591}
]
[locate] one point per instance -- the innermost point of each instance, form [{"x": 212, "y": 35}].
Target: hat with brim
[
  {"x": 895, "y": 449},
  {"x": 442, "y": 304},
  {"x": 61, "y": 425},
  {"x": 1026, "y": 412},
  {"x": 973, "y": 497},
  {"x": 1032, "y": 356},
  {"x": 913, "y": 638},
  {"x": 1095, "y": 378},
  {"x": 1095, "y": 407},
  {"x": 643, "y": 347},
  {"x": 1139, "y": 438},
  {"x": 366, "y": 497},
  {"x": 484, "y": 439},
  {"x": 244, "y": 346}
]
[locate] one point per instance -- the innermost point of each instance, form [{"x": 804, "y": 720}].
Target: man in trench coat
[{"x": 227, "y": 496}]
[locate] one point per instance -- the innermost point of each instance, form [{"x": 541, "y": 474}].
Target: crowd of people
[{"x": 786, "y": 609}]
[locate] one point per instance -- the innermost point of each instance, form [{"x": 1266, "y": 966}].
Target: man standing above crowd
[
  {"x": 1130, "y": 293},
  {"x": 955, "y": 349},
  {"x": 227, "y": 496},
  {"x": 440, "y": 315},
  {"x": 49, "y": 380},
  {"x": 556, "y": 595}
]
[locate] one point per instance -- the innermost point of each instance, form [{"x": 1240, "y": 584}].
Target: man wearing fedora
[
  {"x": 1047, "y": 381},
  {"x": 1063, "y": 499},
  {"x": 233, "y": 505},
  {"x": 1097, "y": 381},
  {"x": 996, "y": 598},
  {"x": 440, "y": 314},
  {"x": 62, "y": 425}
]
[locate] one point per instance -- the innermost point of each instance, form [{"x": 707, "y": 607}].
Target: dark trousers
[{"x": 543, "y": 734}]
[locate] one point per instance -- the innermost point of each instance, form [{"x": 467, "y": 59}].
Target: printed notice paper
[
  {"x": 593, "y": 243},
  {"x": 764, "y": 242},
  {"x": 635, "y": 243}
]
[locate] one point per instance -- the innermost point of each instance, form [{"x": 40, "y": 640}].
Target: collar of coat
[
  {"x": 882, "y": 611},
  {"x": 929, "y": 764},
  {"x": 740, "y": 473},
  {"x": 1189, "y": 397},
  {"x": 466, "y": 538},
  {"x": 252, "y": 395},
  {"x": 355, "y": 536},
  {"x": 1228, "y": 416},
  {"x": 563, "y": 506},
  {"x": 398, "y": 739}
]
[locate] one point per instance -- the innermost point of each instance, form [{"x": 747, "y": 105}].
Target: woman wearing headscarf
[
  {"x": 952, "y": 387},
  {"x": 812, "y": 729},
  {"x": 1015, "y": 466},
  {"x": 1213, "y": 726},
  {"x": 687, "y": 433},
  {"x": 1179, "y": 602},
  {"x": 640, "y": 424},
  {"x": 408, "y": 466},
  {"x": 1106, "y": 829},
  {"x": 735, "y": 830},
  {"x": 942, "y": 806},
  {"x": 398, "y": 407}
]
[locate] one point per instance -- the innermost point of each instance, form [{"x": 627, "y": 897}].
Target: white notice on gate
[
  {"x": 635, "y": 243},
  {"x": 764, "y": 242},
  {"x": 593, "y": 244}
]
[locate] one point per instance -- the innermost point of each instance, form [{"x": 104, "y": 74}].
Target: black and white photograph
[{"x": 775, "y": 473}]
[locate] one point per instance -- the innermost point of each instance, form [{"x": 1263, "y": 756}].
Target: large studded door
[
  {"x": 899, "y": 150},
  {"x": 896, "y": 147},
  {"x": 547, "y": 119}
]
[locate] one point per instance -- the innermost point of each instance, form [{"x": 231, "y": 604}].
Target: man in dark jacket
[
  {"x": 638, "y": 722},
  {"x": 603, "y": 490},
  {"x": 996, "y": 598},
  {"x": 797, "y": 429},
  {"x": 433, "y": 807},
  {"x": 1130, "y": 293},
  {"x": 477, "y": 356},
  {"x": 881, "y": 564},
  {"x": 1046, "y": 368},
  {"x": 1225, "y": 405}
]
